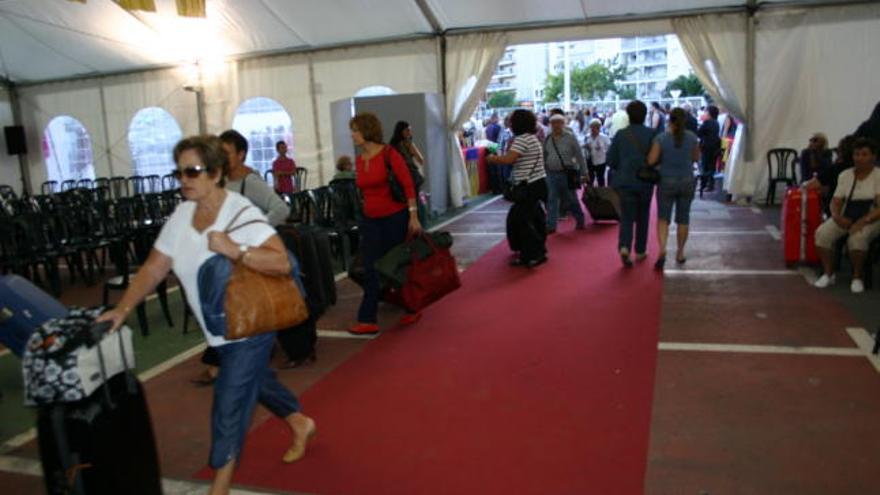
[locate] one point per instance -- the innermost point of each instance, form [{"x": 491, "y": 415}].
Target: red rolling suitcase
[{"x": 801, "y": 216}]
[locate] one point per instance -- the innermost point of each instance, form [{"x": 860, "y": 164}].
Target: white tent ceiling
[{"x": 51, "y": 39}]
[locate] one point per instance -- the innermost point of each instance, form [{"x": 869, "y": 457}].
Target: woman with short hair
[
  {"x": 854, "y": 212},
  {"x": 193, "y": 234},
  {"x": 386, "y": 220},
  {"x": 526, "y": 220}
]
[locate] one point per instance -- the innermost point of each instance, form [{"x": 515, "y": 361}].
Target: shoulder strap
[
  {"x": 852, "y": 189},
  {"x": 243, "y": 182},
  {"x": 229, "y": 228},
  {"x": 558, "y": 154}
]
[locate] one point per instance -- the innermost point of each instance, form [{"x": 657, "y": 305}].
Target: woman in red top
[{"x": 386, "y": 221}]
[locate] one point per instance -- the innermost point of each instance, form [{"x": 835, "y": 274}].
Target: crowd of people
[{"x": 552, "y": 155}]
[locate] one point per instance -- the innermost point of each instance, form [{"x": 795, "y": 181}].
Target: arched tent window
[
  {"x": 152, "y": 134},
  {"x": 375, "y": 91},
  {"x": 67, "y": 150},
  {"x": 263, "y": 122}
]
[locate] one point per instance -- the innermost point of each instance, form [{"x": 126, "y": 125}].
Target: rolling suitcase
[
  {"x": 801, "y": 216},
  {"x": 23, "y": 308},
  {"x": 602, "y": 203},
  {"x": 95, "y": 437}
]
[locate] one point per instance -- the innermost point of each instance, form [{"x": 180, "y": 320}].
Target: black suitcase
[
  {"x": 298, "y": 343},
  {"x": 602, "y": 203},
  {"x": 102, "y": 444},
  {"x": 312, "y": 248}
]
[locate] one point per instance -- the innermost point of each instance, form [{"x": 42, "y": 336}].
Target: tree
[
  {"x": 502, "y": 99},
  {"x": 627, "y": 92},
  {"x": 689, "y": 85},
  {"x": 591, "y": 81}
]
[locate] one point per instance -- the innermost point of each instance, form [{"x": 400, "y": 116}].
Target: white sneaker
[
  {"x": 824, "y": 281},
  {"x": 857, "y": 287}
]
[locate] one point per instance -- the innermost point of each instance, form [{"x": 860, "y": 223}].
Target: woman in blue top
[
  {"x": 628, "y": 152},
  {"x": 676, "y": 151}
]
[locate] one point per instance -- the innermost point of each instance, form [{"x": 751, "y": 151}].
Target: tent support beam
[
  {"x": 430, "y": 16},
  {"x": 313, "y": 96},
  {"x": 751, "y": 43},
  {"x": 107, "y": 147},
  {"x": 23, "y": 164}
]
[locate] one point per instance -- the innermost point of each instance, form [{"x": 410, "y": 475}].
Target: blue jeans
[
  {"x": 244, "y": 379},
  {"x": 635, "y": 205},
  {"x": 378, "y": 236},
  {"x": 557, "y": 187}
]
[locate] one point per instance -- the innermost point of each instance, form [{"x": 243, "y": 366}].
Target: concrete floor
[{"x": 726, "y": 420}]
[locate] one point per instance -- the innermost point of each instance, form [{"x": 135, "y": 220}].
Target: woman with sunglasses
[
  {"x": 193, "y": 234},
  {"x": 815, "y": 158}
]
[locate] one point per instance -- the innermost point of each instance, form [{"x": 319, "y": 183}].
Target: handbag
[
  {"x": 572, "y": 177},
  {"x": 428, "y": 279},
  {"x": 397, "y": 191},
  {"x": 519, "y": 192},
  {"x": 645, "y": 172},
  {"x": 856, "y": 209},
  {"x": 239, "y": 302}
]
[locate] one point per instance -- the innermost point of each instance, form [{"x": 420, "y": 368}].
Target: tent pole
[
  {"x": 316, "y": 120},
  {"x": 106, "y": 128},
  {"x": 23, "y": 165},
  {"x": 200, "y": 110},
  {"x": 751, "y": 34}
]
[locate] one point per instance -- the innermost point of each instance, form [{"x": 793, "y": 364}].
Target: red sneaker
[
  {"x": 364, "y": 329},
  {"x": 410, "y": 318}
]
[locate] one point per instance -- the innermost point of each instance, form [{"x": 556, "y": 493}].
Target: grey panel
[{"x": 340, "y": 114}]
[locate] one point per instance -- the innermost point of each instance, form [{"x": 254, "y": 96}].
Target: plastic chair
[
  {"x": 169, "y": 183},
  {"x": 300, "y": 178},
  {"x": 119, "y": 187},
  {"x": 153, "y": 183},
  {"x": 49, "y": 187},
  {"x": 137, "y": 185},
  {"x": 781, "y": 168}
]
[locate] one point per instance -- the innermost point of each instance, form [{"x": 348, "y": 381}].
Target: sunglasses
[{"x": 190, "y": 172}]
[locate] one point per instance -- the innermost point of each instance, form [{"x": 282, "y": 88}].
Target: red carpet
[{"x": 521, "y": 382}]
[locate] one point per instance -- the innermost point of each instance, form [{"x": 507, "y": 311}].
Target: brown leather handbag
[{"x": 258, "y": 302}]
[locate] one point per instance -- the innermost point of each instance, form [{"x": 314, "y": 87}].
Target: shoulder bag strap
[
  {"x": 851, "y": 191},
  {"x": 558, "y": 154},
  {"x": 229, "y": 227}
]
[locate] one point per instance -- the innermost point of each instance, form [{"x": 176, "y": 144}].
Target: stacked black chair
[
  {"x": 301, "y": 178},
  {"x": 781, "y": 168},
  {"x": 119, "y": 187},
  {"x": 49, "y": 187}
]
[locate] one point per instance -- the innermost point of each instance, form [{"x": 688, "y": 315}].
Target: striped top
[{"x": 529, "y": 166}]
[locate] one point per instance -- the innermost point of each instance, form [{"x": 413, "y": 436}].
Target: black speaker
[{"x": 15, "y": 142}]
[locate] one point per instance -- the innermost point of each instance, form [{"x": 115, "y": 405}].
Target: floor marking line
[
  {"x": 341, "y": 334},
  {"x": 756, "y": 210},
  {"x": 774, "y": 232},
  {"x": 762, "y": 349},
  {"x": 464, "y": 234},
  {"x": 865, "y": 341},
  {"x": 462, "y": 215},
  {"x": 32, "y": 467},
  {"x": 730, "y": 272}
]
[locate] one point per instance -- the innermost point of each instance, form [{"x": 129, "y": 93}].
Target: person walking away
[
  {"x": 855, "y": 211},
  {"x": 493, "y": 130},
  {"x": 243, "y": 180},
  {"x": 657, "y": 117},
  {"x": 191, "y": 236},
  {"x": 692, "y": 124},
  {"x": 710, "y": 146},
  {"x": 283, "y": 170},
  {"x": 619, "y": 120},
  {"x": 675, "y": 152},
  {"x": 402, "y": 142},
  {"x": 597, "y": 145},
  {"x": 562, "y": 152},
  {"x": 526, "y": 221},
  {"x": 387, "y": 221},
  {"x": 627, "y": 154}
]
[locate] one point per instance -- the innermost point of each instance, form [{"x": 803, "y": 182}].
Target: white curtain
[
  {"x": 716, "y": 48},
  {"x": 470, "y": 62},
  {"x": 816, "y": 71}
]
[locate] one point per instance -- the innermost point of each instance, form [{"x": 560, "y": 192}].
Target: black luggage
[
  {"x": 527, "y": 229},
  {"x": 100, "y": 444},
  {"x": 23, "y": 308},
  {"x": 299, "y": 342},
  {"x": 602, "y": 203}
]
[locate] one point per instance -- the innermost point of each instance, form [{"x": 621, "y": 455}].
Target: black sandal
[{"x": 660, "y": 263}]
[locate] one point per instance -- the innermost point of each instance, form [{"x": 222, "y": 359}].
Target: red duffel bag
[{"x": 427, "y": 279}]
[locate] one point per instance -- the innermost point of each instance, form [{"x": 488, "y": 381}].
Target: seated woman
[
  {"x": 815, "y": 158},
  {"x": 344, "y": 169},
  {"x": 854, "y": 211}
]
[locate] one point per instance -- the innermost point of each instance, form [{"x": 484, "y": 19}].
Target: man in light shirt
[{"x": 596, "y": 145}]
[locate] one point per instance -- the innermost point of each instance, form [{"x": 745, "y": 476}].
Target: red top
[
  {"x": 284, "y": 165},
  {"x": 373, "y": 183}
]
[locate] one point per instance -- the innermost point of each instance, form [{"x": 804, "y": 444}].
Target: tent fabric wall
[
  {"x": 80, "y": 100},
  {"x": 10, "y": 172},
  {"x": 816, "y": 70},
  {"x": 470, "y": 62},
  {"x": 715, "y": 47}
]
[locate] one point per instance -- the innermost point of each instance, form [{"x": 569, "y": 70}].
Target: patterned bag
[{"x": 62, "y": 363}]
